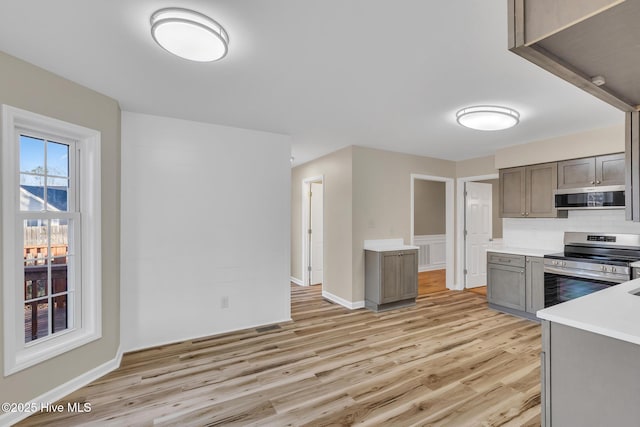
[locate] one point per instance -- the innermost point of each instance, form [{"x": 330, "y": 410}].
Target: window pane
[
  {"x": 36, "y": 320},
  {"x": 31, "y": 155},
  {"x": 31, "y": 193},
  {"x": 36, "y": 240},
  {"x": 57, "y": 194},
  {"x": 57, "y": 159},
  {"x": 59, "y": 313},
  {"x": 35, "y": 281},
  {"x": 59, "y": 274},
  {"x": 59, "y": 237}
]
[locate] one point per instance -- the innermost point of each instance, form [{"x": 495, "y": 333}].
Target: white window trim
[{"x": 17, "y": 355}]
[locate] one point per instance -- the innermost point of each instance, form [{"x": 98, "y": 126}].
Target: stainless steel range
[{"x": 590, "y": 262}]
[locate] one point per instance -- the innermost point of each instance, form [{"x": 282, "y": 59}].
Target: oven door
[{"x": 562, "y": 285}]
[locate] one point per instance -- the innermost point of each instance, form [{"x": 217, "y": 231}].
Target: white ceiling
[{"x": 386, "y": 74}]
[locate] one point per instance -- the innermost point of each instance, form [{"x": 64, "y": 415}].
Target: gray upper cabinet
[
  {"x": 527, "y": 192},
  {"x": 592, "y": 171},
  {"x": 512, "y": 192},
  {"x": 610, "y": 170},
  {"x": 592, "y": 44},
  {"x": 580, "y": 39}
]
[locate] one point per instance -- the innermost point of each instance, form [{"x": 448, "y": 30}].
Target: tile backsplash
[{"x": 548, "y": 233}]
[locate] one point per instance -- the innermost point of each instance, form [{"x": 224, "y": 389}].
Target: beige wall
[
  {"x": 25, "y": 86},
  {"x": 337, "y": 260},
  {"x": 584, "y": 144},
  {"x": 382, "y": 199},
  {"x": 476, "y": 167},
  {"x": 429, "y": 208}
]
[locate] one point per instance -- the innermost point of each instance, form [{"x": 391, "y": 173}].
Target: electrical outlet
[{"x": 224, "y": 302}]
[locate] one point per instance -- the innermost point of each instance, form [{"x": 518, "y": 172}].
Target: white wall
[
  {"x": 205, "y": 215},
  {"x": 548, "y": 233}
]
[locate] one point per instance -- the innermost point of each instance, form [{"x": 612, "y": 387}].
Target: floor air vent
[{"x": 268, "y": 328}]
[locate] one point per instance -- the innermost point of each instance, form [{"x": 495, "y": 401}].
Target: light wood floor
[
  {"x": 436, "y": 281},
  {"x": 447, "y": 361},
  {"x": 432, "y": 281}
]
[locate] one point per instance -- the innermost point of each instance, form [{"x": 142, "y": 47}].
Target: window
[{"x": 51, "y": 237}]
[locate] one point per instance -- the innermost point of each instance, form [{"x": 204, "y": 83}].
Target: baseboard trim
[
  {"x": 343, "y": 302},
  {"x": 297, "y": 281},
  {"x": 432, "y": 267},
  {"x": 11, "y": 418}
]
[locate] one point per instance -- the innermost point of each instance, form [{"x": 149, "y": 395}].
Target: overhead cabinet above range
[{"x": 591, "y": 171}]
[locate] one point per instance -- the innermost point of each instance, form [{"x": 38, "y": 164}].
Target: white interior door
[
  {"x": 316, "y": 233},
  {"x": 478, "y": 222}
]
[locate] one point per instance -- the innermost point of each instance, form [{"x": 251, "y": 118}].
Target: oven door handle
[{"x": 585, "y": 275}]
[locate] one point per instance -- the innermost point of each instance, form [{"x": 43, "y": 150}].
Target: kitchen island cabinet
[
  {"x": 589, "y": 361},
  {"x": 391, "y": 278},
  {"x": 588, "y": 379}
]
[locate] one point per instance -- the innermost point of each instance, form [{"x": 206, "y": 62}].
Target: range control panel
[{"x": 593, "y": 238}]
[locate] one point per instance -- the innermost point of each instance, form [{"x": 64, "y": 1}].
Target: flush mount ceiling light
[
  {"x": 189, "y": 35},
  {"x": 488, "y": 117}
]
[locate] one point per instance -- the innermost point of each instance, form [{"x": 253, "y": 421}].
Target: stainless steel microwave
[{"x": 605, "y": 197}]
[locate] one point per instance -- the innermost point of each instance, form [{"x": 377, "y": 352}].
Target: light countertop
[
  {"x": 385, "y": 245},
  {"x": 613, "y": 312},
  {"x": 523, "y": 251},
  {"x": 635, "y": 264}
]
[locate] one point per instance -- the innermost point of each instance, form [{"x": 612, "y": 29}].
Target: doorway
[
  {"x": 479, "y": 228},
  {"x": 312, "y": 231},
  {"x": 439, "y": 251}
]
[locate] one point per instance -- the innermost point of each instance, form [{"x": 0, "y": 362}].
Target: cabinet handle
[
  {"x": 597, "y": 182},
  {"x": 592, "y": 182},
  {"x": 522, "y": 214},
  {"x": 526, "y": 214}
]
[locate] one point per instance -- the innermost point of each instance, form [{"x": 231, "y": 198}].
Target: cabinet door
[
  {"x": 390, "y": 285},
  {"x": 535, "y": 284},
  {"x": 577, "y": 173},
  {"x": 512, "y": 192},
  {"x": 409, "y": 275},
  {"x": 610, "y": 170},
  {"x": 541, "y": 181},
  {"x": 506, "y": 286}
]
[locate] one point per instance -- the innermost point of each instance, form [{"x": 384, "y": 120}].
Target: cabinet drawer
[{"x": 505, "y": 259}]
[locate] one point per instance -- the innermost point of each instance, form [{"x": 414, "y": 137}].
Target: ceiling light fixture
[
  {"x": 189, "y": 34},
  {"x": 488, "y": 117}
]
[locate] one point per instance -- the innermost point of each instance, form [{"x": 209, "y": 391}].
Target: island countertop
[{"x": 613, "y": 312}]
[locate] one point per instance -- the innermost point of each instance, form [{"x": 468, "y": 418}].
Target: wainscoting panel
[{"x": 432, "y": 254}]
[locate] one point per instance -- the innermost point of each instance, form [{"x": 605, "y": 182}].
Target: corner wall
[
  {"x": 205, "y": 223},
  {"x": 382, "y": 199},
  {"x": 31, "y": 88},
  {"x": 337, "y": 171}
]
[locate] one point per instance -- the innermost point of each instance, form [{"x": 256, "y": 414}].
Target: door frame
[
  {"x": 305, "y": 227},
  {"x": 461, "y": 242},
  {"x": 449, "y": 223}
]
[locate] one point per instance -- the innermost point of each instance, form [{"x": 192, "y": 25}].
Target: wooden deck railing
[{"x": 35, "y": 287}]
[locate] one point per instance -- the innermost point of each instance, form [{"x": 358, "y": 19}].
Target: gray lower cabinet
[
  {"x": 588, "y": 379},
  {"x": 515, "y": 283},
  {"x": 391, "y": 279},
  {"x": 534, "y": 282}
]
